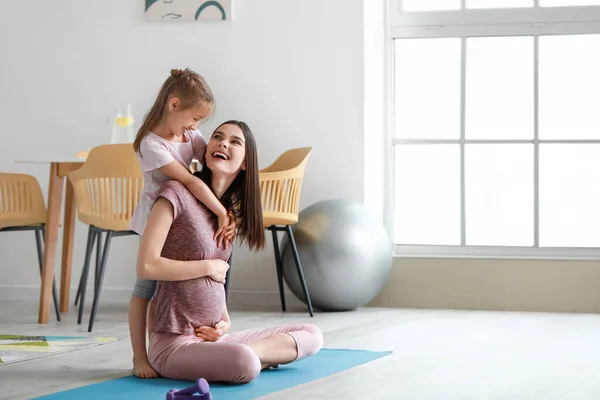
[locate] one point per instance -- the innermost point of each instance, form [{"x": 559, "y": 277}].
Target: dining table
[{"x": 59, "y": 168}]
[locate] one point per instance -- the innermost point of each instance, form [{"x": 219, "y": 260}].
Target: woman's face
[{"x": 226, "y": 151}]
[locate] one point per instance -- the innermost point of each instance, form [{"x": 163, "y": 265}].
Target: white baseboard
[
  {"x": 247, "y": 299},
  {"x": 29, "y": 292}
]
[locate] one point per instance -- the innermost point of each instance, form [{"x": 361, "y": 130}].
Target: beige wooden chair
[
  {"x": 280, "y": 186},
  {"x": 84, "y": 154},
  {"x": 107, "y": 189},
  {"x": 22, "y": 208}
]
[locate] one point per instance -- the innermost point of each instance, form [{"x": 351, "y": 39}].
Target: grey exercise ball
[{"x": 345, "y": 253}]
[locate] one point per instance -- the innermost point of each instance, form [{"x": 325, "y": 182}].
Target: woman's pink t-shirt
[
  {"x": 182, "y": 306},
  {"x": 156, "y": 152}
]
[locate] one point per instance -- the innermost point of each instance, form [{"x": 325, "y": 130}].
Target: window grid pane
[
  {"x": 569, "y": 88},
  {"x": 481, "y": 4},
  {"x": 427, "y": 79},
  {"x": 427, "y": 203},
  {"x": 569, "y": 195},
  {"x": 430, "y": 5},
  {"x": 566, "y": 220},
  {"x": 499, "y": 195},
  {"x": 568, "y": 3},
  {"x": 499, "y": 88}
]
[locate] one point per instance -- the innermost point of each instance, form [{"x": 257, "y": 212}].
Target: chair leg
[
  {"x": 98, "y": 287},
  {"x": 39, "y": 234},
  {"x": 288, "y": 229},
  {"x": 98, "y": 256},
  {"x": 278, "y": 266},
  {"x": 86, "y": 268},
  {"x": 98, "y": 247},
  {"x": 79, "y": 288},
  {"x": 228, "y": 275}
]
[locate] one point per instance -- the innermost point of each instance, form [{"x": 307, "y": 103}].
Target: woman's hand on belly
[{"x": 213, "y": 333}]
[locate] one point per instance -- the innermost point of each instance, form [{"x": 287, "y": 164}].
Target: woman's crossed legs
[{"x": 235, "y": 358}]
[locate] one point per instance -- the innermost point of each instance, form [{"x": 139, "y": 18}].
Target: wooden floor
[{"x": 441, "y": 355}]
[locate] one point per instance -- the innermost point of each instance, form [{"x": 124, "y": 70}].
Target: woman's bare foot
[{"x": 142, "y": 369}]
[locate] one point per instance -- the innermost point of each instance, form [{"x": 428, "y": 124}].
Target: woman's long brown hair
[
  {"x": 243, "y": 195},
  {"x": 188, "y": 86}
]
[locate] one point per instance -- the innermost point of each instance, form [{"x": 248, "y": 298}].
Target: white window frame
[{"x": 535, "y": 21}]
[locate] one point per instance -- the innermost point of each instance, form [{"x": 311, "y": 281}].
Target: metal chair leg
[
  {"x": 39, "y": 234},
  {"x": 98, "y": 287},
  {"x": 98, "y": 256},
  {"x": 278, "y": 266},
  {"x": 98, "y": 246},
  {"x": 288, "y": 229},
  {"x": 84, "y": 274},
  {"x": 78, "y": 295}
]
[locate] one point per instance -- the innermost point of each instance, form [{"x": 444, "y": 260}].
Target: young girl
[{"x": 165, "y": 144}]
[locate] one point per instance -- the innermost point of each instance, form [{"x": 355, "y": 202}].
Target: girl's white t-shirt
[{"x": 156, "y": 152}]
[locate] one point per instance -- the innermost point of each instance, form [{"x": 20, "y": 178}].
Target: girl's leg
[
  {"x": 138, "y": 310},
  {"x": 151, "y": 316},
  {"x": 280, "y": 344},
  {"x": 186, "y": 357}
]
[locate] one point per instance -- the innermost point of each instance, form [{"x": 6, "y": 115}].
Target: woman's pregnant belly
[{"x": 186, "y": 305}]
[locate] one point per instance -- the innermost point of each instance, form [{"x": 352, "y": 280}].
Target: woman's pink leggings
[{"x": 187, "y": 357}]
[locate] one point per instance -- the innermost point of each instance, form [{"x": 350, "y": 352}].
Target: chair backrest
[
  {"x": 82, "y": 154},
  {"x": 281, "y": 184},
  {"x": 108, "y": 186},
  {"x": 21, "y": 201},
  {"x": 290, "y": 159}
]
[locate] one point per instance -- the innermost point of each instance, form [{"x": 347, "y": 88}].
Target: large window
[{"x": 496, "y": 127}]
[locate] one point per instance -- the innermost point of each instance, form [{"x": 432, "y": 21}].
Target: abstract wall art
[{"x": 188, "y": 10}]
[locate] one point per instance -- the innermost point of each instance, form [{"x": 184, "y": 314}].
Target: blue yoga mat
[{"x": 326, "y": 362}]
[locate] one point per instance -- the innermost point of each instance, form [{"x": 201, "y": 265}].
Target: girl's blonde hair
[{"x": 187, "y": 85}]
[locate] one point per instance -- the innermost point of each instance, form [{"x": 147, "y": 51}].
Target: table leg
[
  {"x": 67, "y": 250},
  {"x": 52, "y": 224}
]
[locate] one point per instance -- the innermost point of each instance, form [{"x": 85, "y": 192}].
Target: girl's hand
[
  {"x": 218, "y": 271},
  {"x": 231, "y": 228},
  {"x": 212, "y": 334},
  {"x": 226, "y": 229}
]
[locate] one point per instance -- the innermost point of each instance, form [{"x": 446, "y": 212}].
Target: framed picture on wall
[{"x": 188, "y": 10}]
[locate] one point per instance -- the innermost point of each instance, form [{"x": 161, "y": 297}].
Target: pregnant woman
[{"x": 189, "y": 338}]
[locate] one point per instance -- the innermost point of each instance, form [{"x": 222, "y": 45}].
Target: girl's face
[
  {"x": 180, "y": 120},
  {"x": 226, "y": 150}
]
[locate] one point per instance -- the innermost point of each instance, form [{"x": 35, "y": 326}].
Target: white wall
[
  {"x": 374, "y": 115},
  {"x": 292, "y": 69}
]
